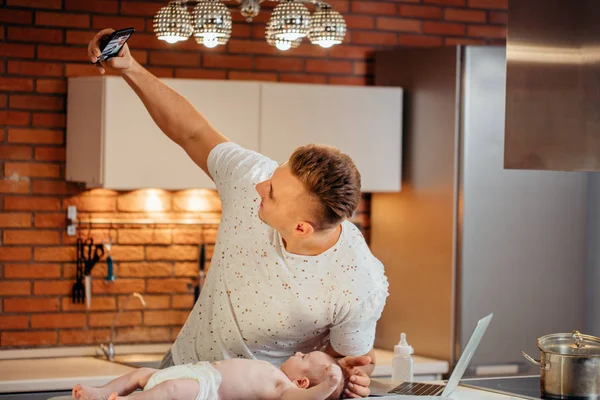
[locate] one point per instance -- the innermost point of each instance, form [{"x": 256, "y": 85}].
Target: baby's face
[{"x": 298, "y": 365}]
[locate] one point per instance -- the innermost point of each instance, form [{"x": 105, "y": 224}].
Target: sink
[{"x": 139, "y": 360}]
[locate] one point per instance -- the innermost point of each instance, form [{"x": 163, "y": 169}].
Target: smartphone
[{"x": 111, "y": 45}]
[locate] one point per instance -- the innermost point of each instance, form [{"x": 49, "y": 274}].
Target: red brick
[
  {"x": 63, "y": 253},
  {"x": 35, "y": 68},
  {"x": 16, "y": 50},
  {"x": 498, "y": 17},
  {"x": 16, "y": 84},
  {"x": 50, "y": 220},
  {"x": 351, "y": 52},
  {"x": 99, "y": 303},
  {"x": 119, "y": 286},
  {"x": 36, "y": 102},
  {"x": 173, "y": 285},
  {"x": 30, "y": 304},
  {"x": 420, "y": 41},
  {"x": 38, "y": 170},
  {"x": 487, "y": 31},
  {"x": 15, "y": 254},
  {"x": 279, "y": 64},
  {"x": 195, "y": 73},
  {"x": 80, "y": 70},
  {"x": 14, "y": 186},
  {"x": 67, "y": 20},
  {"x": 183, "y": 301},
  {"x": 9, "y": 152},
  {"x": 145, "y": 269},
  {"x": 341, "y": 6},
  {"x": 144, "y": 236},
  {"x": 92, "y": 204},
  {"x": 373, "y": 7},
  {"x": 127, "y": 253},
  {"x": 3, "y": 100},
  {"x": 61, "y": 53},
  {"x": 95, "y": 6},
  {"x": 227, "y": 61},
  {"x": 50, "y": 153},
  {"x": 447, "y": 3},
  {"x": 443, "y": 28},
  {"x": 36, "y": 35},
  {"x": 398, "y": 24},
  {"x": 31, "y": 203},
  {"x": 128, "y": 318},
  {"x": 197, "y": 200},
  {"x": 453, "y": 14},
  {"x": 88, "y": 336},
  {"x": 51, "y": 121},
  {"x": 147, "y": 41},
  {"x": 34, "y": 237},
  {"x": 374, "y": 38},
  {"x": 15, "y": 288},
  {"x": 456, "y": 41},
  {"x": 78, "y": 36},
  {"x": 15, "y": 220},
  {"x": 189, "y": 269},
  {"x": 30, "y": 338},
  {"x": 54, "y": 187},
  {"x": 14, "y": 118},
  {"x": 251, "y": 47},
  {"x": 252, "y": 76},
  {"x": 16, "y": 16},
  {"x": 362, "y": 68},
  {"x": 359, "y": 22},
  {"x": 494, "y": 4},
  {"x": 51, "y": 86},
  {"x": 143, "y": 335},
  {"x": 303, "y": 78},
  {"x": 331, "y": 67},
  {"x": 14, "y": 322},
  {"x": 195, "y": 236},
  {"x": 168, "y": 72},
  {"x": 53, "y": 4},
  {"x": 140, "y": 8},
  {"x": 137, "y": 201},
  {"x": 153, "y": 302},
  {"x": 101, "y": 22},
  {"x": 174, "y": 252},
  {"x": 349, "y": 80},
  {"x": 161, "y": 318},
  {"x": 36, "y": 271},
  {"x": 61, "y": 320},
  {"x": 409, "y": 10},
  {"x": 62, "y": 287},
  {"x": 35, "y": 136},
  {"x": 175, "y": 59}
]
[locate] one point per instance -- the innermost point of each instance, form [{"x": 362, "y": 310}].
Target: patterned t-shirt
[{"x": 261, "y": 302}]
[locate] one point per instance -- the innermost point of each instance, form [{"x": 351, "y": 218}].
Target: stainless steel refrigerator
[{"x": 465, "y": 237}]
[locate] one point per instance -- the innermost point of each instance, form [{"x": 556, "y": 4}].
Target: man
[{"x": 289, "y": 272}]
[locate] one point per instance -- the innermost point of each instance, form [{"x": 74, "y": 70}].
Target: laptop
[{"x": 429, "y": 389}]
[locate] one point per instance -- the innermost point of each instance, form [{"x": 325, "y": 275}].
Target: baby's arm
[{"x": 320, "y": 392}]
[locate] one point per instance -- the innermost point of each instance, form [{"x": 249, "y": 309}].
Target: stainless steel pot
[{"x": 570, "y": 366}]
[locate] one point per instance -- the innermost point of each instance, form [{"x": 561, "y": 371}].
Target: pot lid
[{"x": 570, "y": 344}]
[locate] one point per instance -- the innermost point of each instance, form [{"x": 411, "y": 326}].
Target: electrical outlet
[
  {"x": 72, "y": 213},
  {"x": 72, "y": 230}
]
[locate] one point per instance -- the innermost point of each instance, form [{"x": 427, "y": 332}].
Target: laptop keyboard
[{"x": 418, "y": 389}]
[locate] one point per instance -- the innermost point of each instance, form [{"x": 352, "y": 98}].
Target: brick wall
[{"x": 42, "y": 42}]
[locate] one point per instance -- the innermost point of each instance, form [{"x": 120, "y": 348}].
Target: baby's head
[{"x": 308, "y": 370}]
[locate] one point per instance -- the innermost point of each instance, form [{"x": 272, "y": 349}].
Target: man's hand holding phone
[{"x": 120, "y": 63}]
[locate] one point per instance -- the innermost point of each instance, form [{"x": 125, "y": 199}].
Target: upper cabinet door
[
  {"x": 138, "y": 155},
  {"x": 364, "y": 122}
]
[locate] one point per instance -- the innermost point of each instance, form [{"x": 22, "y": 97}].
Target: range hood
[{"x": 553, "y": 85}]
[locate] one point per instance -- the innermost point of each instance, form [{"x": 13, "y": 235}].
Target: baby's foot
[
  {"x": 90, "y": 393},
  {"x": 115, "y": 396},
  {"x": 333, "y": 374}
]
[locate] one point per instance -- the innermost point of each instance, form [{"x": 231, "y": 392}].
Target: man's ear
[
  {"x": 302, "y": 383},
  {"x": 303, "y": 228}
]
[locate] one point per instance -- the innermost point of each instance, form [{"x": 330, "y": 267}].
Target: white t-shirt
[{"x": 261, "y": 302}]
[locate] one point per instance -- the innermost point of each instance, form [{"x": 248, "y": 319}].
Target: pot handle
[{"x": 545, "y": 366}]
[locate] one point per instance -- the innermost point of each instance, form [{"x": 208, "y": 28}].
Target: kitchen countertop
[{"x": 56, "y": 369}]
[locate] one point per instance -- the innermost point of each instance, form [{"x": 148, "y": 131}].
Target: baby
[{"x": 312, "y": 376}]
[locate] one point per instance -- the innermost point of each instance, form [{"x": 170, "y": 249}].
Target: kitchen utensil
[
  {"x": 78, "y": 291},
  {"x": 570, "y": 365},
  {"x": 201, "y": 263},
  {"x": 94, "y": 254},
  {"x": 110, "y": 276}
]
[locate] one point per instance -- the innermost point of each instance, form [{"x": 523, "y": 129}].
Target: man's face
[
  {"x": 299, "y": 365},
  {"x": 285, "y": 202}
]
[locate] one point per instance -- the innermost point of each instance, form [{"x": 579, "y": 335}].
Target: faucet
[{"x": 109, "y": 350}]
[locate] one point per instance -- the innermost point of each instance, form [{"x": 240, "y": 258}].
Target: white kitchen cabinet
[
  {"x": 364, "y": 122},
  {"x": 112, "y": 142}
]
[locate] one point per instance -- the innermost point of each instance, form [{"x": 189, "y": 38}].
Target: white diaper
[{"x": 206, "y": 375}]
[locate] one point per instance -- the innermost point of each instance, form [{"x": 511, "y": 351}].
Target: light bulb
[
  {"x": 210, "y": 41},
  {"x": 291, "y": 36},
  {"x": 326, "y": 43},
  {"x": 283, "y": 45},
  {"x": 172, "y": 39}
]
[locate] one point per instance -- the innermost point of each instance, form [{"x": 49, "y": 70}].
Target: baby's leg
[
  {"x": 123, "y": 385},
  {"x": 173, "y": 389}
]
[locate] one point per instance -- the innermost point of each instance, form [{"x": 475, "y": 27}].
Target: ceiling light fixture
[{"x": 211, "y": 23}]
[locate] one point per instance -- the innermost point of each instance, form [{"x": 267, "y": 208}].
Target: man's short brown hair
[{"x": 331, "y": 177}]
